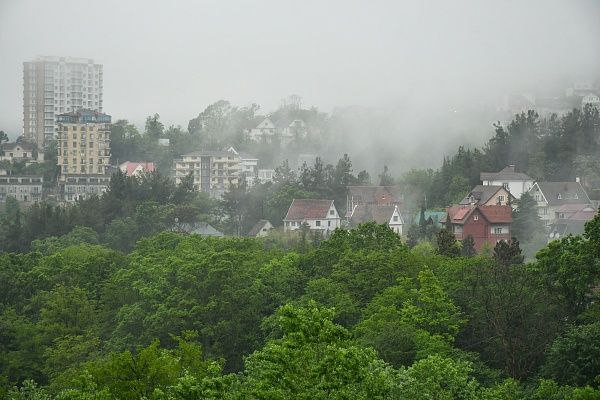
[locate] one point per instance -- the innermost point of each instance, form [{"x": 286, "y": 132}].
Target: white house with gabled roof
[
  {"x": 265, "y": 129},
  {"x": 319, "y": 215}
]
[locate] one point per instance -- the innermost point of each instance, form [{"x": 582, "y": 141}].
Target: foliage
[
  {"x": 447, "y": 244},
  {"x": 573, "y": 358}
]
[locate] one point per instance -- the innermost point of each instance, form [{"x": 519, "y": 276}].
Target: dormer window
[{"x": 559, "y": 197}]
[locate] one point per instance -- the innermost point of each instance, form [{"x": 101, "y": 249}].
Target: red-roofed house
[
  {"x": 486, "y": 224},
  {"x": 320, "y": 215},
  {"x": 131, "y": 168}
]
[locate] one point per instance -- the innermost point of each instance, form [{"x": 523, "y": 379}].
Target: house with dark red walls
[{"x": 486, "y": 224}]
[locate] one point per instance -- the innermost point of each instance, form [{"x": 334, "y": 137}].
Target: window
[
  {"x": 328, "y": 223},
  {"x": 575, "y": 196},
  {"x": 498, "y": 230},
  {"x": 537, "y": 197},
  {"x": 559, "y": 196},
  {"x": 475, "y": 217},
  {"x": 331, "y": 212},
  {"x": 501, "y": 198},
  {"x": 318, "y": 223},
  {"x": 395, "y": 218}
]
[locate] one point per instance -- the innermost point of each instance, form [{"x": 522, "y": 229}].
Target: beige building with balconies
[
  {"x": 83, "y": 145},
  {"x": 214, "y": 172}
]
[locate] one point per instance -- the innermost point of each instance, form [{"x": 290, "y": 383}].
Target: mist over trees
[{"x": 359, "y": 314}]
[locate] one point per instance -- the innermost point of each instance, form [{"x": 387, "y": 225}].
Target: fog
[{"x": 433, "y": 71}]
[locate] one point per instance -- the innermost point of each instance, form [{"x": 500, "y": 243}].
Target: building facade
[
  {"x": 214, "y": 172},
  {"x": 318, "y": 215},
  {"x": 83, "y": 143},
  {"x": 551, "y": 196},
  {"x": 81, "y": 187},
  {"x": 17, "y": 152},
  {"x": 372, "y": 196},
  {"x": 381, "y": 214},
  {"x": 26, "y": 189},
  {"x": 56, "y": 85},
  {"x": 488, "y": 195},
  {"x": 265, "y": 175},
  {"x": 487, "y": 225},
  {"x": 249, "y": 167},
  {"x": 516, "y": 183}
]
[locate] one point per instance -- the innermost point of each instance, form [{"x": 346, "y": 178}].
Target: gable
[
  {"x": 559, "y": 193},
  {"x": 266, "y": 124},
  {"x": 334, "y": 214},
  {"x": 301, "y": 209}
]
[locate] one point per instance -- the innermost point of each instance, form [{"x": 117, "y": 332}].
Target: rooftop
[
  {"x": 506, "y": 174},
  {"x": 559, "y": 193},
  {"x": 258, "y": 227},
  {"x": 481, "y": 194},
  {"x": 493, "y": 214},
  {"x": 371, "y": 212},
  {"x": 308, "y": 209}
]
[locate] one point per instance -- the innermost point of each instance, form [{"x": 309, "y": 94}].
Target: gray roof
[
  {"x": 481, "y": 194},
  {"x": 375, "y": 194},
  {"x": 24, "y": 146},
  {"x": 198, "y": 228},
  {"x": 258, "y": 227},
  {"x": 369, "y": 212},
  {"x": 569, "y": 193},
  {"x": 507, "y": 174},
  {"x": 566, "y": 227}
]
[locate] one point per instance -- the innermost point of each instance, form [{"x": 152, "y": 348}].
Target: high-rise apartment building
[
  {"x": 83, "y": 146},
  {"x": 56, "y": 85},
  {"x": 83, "y": 143},
  {"x": 214, "y": 172}
]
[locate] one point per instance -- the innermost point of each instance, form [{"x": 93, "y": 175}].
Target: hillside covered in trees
[
  {"x": 553, "y": 148},
  {"x": 359, "y": 315}
]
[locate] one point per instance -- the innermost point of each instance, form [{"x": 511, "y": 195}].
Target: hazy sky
[{"x": 175, "y": 57}]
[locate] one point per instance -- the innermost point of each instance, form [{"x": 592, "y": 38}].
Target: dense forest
[
  {"x": 108, "y": 299},
  {"x": 359, "y": 315}
]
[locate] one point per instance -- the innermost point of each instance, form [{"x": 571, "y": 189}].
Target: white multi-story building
[
  {"x": 265, "y": 175},
  {"x": 516, "y": 183},
  {"x": 57, "y": 85},
  {"x": 24, "y": 188},
  {"x": 81, "y": 187},
  {"x": 249, "y": 165},
  {"x": 213, "y": 172}
]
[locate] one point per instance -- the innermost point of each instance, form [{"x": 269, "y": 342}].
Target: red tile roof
[
  {"x": 308, "y": 209},
  {"x": 130, "y": 167},
  {"x": 494, "y": 214},
  {"x": 497, "y": 214}
]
